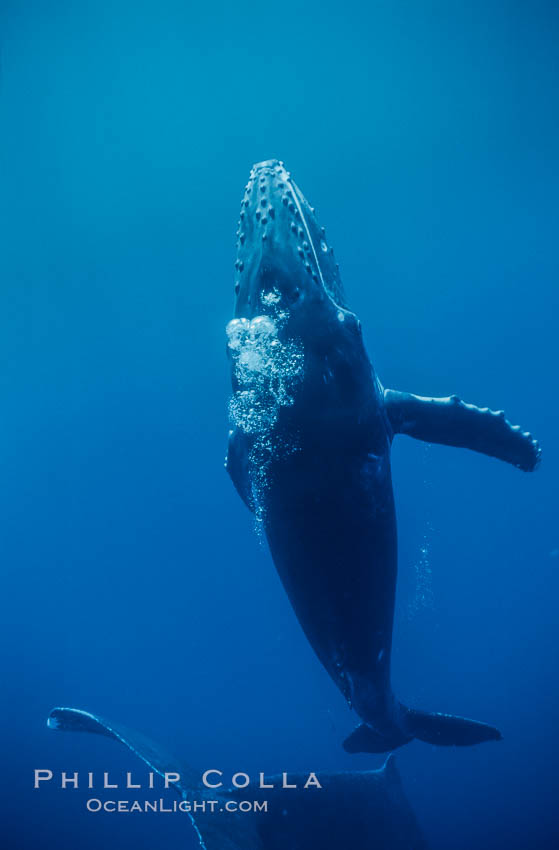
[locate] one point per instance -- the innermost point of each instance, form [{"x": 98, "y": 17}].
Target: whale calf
[
  {"x": 309, "y": 454},
  {"x": 358, "y": 809}
]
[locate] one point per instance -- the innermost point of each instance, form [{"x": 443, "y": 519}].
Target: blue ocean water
[{"x": 133, "y": 582}]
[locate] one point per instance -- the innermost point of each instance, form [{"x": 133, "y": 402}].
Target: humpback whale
[
  {"x": 364, "y": 809},
  {"x": 309, "y": 454}
]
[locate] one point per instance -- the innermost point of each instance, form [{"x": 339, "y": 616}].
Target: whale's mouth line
[{"x": 307, "y": 231}]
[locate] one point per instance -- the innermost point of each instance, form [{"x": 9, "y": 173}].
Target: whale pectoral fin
[
  {"x": 76, "y": 720},
  {"x": 452, "y": 422},
  {"x": 236, "y": 465},
  {"x": 215, "y": 829}
]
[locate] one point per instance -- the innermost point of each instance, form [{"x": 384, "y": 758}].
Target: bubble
[
  {"x": 271, "y": 298},
  {"x": 423, "y": 597},
  {"x": 236, "y": 331},
  {"x": 267, "y": 371}
]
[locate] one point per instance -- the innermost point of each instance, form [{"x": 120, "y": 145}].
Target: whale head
[
  {"x": 293, "y": 345},
  {"x": 284, "y": 261}
]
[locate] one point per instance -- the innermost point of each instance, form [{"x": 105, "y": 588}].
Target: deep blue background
[{"x": 132, "y": 581}]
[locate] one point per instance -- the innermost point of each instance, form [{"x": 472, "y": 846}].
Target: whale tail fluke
[
  {"x": 443, "y": 730},
  {"x": 448, "y": 730},
  {"x": 364, "y": 739}
]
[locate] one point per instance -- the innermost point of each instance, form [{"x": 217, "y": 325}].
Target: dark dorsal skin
[
  {"x": 363, "y": 810},
  {"x": 309, "y": 454}
]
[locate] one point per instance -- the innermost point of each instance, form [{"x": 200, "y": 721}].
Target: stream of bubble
[{"x": 268, "y": 371}]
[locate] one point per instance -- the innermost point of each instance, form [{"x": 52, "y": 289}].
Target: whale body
[
  {"x": 309, "y": 454},
  {"x": 359, "y": 809}
]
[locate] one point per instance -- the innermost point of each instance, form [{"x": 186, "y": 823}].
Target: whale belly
[{"x": 330, "y": 525}]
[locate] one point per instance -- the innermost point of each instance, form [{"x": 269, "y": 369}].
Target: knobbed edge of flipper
[
  {"x": 451, "y": 421},
  {"x": 531, "y": 449}
]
